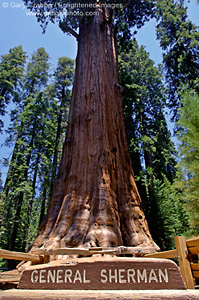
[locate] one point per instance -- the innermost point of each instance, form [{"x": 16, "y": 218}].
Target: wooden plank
[
  {"x": 20, "y": 256},
  {"x": 164, "y": 254},
  {"x": 104, "y": 273},
  {"x": 92, "y": 251},
  {"x": 183, "y": 261},
  {"x": 66, "y": 251},
  {"x": 137, "y": 251},
  {"x": 194, "y": 266},
  {"x": 194, "y": 250},
  {"x": 9, "y": 277},
  {"x": 193, "y": 242}
]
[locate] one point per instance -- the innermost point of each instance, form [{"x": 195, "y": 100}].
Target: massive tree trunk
[{"x": 95, "y": 200}]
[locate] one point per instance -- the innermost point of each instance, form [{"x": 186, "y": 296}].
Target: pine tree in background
[
  {"x": 149, "y": 140},
  {"x": 1, "y": 182},
  {"x": 38, "y": 132},
  {"x": 60, "y": 93},
  {"x": 187, "y": 182},
  {"x": 11, "y": 74},
  {"x": 63, "y": 79},
  {"x": 179, "y": 39},
  {"x": 18, "y": 184},
  {"x": 171, "y": 215}
]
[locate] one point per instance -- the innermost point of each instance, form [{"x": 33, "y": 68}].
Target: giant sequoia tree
[{"x": 95, "y": 200}]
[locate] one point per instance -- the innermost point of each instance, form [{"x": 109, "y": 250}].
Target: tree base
[{"x": 104, "y": 273}]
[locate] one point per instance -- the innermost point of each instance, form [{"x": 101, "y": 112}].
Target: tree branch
[{"x": 65, "y": 28}]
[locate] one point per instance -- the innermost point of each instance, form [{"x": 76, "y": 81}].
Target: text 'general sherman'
[{"x": 119, "y": 276}]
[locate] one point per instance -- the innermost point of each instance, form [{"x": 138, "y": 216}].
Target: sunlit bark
[{"x": 95, "y": 200}]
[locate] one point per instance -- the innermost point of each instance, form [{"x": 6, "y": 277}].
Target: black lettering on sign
[{"x": 104, "y": 274}]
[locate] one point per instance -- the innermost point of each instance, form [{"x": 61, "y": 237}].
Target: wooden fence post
[{"x": 183, "y": 262}]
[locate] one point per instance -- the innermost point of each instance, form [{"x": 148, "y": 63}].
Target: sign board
[{"x": 104, "y": 274}]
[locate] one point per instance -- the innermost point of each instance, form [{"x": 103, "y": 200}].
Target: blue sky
[
  {"x": 19, "y": 28},
  {"x": 146, "y": 35}
]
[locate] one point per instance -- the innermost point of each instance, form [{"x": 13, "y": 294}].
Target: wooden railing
[
  {"x": 121, "y": 250},
  {"x": 14, "y": 276},
  {"x": 37, "y": 255},
  {"x": 187, "y": 252},
  {"x": 21, "y": 256}
]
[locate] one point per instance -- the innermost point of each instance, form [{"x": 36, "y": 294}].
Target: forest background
[{"x": 167, "y": 179}]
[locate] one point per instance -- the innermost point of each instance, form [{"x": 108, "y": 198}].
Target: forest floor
[{"x": 16, "y": 294}]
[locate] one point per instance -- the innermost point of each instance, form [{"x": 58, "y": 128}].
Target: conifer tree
[
  {"x": 144, "y": 103},
  {"x": 95, "y": 201},
  {"x": 1, "y": 182},
  {"x": 149, "y": 140},
  {"x": 18, "y": 185},
  {"x": 34, "y": 127},
  {"x": 11, "y": 74},
  {"x": 60, "y": 93},
  {"x": 188, "y": 134},
  {"x": 63, "y": 76},
  {"x": 179, "y": 39}
]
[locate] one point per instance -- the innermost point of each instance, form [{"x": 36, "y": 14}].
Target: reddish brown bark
[{"x": 95, "y": 200}]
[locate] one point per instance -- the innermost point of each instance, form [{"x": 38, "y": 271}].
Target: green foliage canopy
[
  {"x": 70, "y": 14},
  {"x": 188, "y": 135},
  {"x": 150, "y": 145},
  {"x": 179, "y": 39},
  {"x": 33, "y": 130},
  {"x": 11, "y": 74}
]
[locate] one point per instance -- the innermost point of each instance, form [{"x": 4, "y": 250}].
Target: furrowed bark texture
[{"x": 95, "y": 200}]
